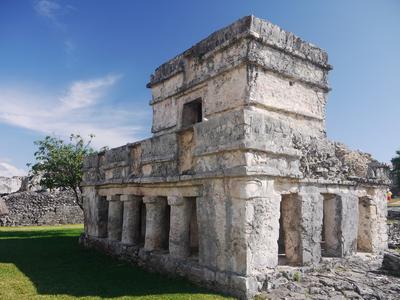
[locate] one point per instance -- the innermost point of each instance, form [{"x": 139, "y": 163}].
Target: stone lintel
[
  {"x": 152, "y": 199},
  {"x": 130, "y": 198},
  {"x": 155, "y": 188}
]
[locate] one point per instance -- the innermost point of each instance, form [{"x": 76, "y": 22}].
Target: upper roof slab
[{"x": 246, "y": 27}]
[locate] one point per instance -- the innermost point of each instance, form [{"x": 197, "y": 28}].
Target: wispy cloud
[
  {"x": 52, "y": 10},
  {"x": 69, "y": 46},
  {"x": 47, "y": 8},
  {"x": 82, "y": 109},
  {"x": 85, "y": 93},
  {"x": 8, "y": 170},
  {"x": 55, "y": 11}
]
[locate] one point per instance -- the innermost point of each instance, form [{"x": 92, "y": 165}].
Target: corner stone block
[
  {"x": 179, "y": 236},
  {"x": 131, "y": 219},
  {"x": 115, "y": 215},
  {"x": 95, "y": 213},
  {"x": 262, "y": 233},
  {"x": 255, "y": 226},
  {"x": 156, "y": 220}
]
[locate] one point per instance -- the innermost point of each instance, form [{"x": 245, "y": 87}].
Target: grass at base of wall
[{"x": 46, "y": 262}]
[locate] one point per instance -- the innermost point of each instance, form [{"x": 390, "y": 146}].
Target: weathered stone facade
[{"x": 239, "y": 175}]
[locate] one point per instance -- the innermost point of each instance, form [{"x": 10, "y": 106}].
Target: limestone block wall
[
  {"x": 238, "y": 176},
  {"x": 265, "y": 67}
]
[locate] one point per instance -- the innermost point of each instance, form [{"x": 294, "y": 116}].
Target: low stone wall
[
  {"x": 39, "y": 208},
  {"x": 160, "y": 262}
]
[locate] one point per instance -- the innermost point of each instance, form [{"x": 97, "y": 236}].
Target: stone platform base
[{"x": 161, "y": 262}]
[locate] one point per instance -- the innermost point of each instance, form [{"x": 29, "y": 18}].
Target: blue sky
[{"x": 81, "y": 66}]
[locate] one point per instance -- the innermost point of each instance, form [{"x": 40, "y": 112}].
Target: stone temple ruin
[{"x": 239, "y": 176}]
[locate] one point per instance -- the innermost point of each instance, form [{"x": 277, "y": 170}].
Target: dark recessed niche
[{"x": 192, "y": 113}]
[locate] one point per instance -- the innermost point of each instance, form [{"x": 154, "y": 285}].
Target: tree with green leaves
[
  {"x": 59, "y": 164},
  {"x": 396, "y": 169}
]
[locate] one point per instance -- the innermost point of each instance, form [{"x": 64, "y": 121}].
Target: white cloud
[
  {"x": 8, "y": 170},
  {"x": 52, "y": 9},
  {"x": 82, "y": 109},
  {"x": 85, "y": 93},
  {"x": 48, "y": 8}
]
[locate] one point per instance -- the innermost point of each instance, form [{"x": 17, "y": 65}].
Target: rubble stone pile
[
  {"x": 29, "y": 204},
  {"x": 358, "y": 277},
  {"x": 40, "y": 208}
]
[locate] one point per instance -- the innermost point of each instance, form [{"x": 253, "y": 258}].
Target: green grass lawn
[{"x": 47, "y": 263}]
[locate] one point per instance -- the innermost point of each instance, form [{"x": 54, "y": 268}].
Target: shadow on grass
[{"x": 56, "y": 264}]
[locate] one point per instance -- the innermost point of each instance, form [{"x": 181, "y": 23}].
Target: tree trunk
[{"x": 78, "y": 198}]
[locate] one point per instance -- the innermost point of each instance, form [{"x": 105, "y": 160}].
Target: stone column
[
  {"x": 340, "y": 224},
  {"x": 332, "y": 226},
  {"x": 311, "y": 202},
  {"x": 372, "y": 226},
  {"x": 291, "y": 218},
  {"x": 179, "y": 236},
  {"x": 131, "y": 219},
  {"x": 156, "y": 225},
  {"x": 115, "y": 214},
  {"x": 366, "y": 214},
  {"x": 252, "y": 226},
  {"x": 349, "y": 223}
]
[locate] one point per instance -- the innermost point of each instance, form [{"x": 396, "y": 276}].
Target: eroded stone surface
[
  {"x": 359, "y": 277},
  {"x": 391, "y": 263},
  {"x": 239, "y": 176}
]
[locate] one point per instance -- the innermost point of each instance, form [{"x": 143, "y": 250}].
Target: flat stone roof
[{"x": 249, "y": 26}]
